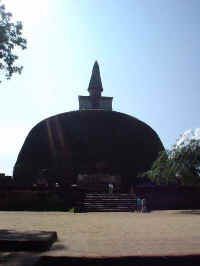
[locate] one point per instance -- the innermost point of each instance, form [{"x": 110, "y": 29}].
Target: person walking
[
  {"x": 139, "y": 204},
  {"x": 144, "y": 205}
]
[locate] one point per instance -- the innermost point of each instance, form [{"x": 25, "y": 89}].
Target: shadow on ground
[
  {"x": 5, "y": 256},
  {"x": 58, "y": 246},
  {"x": 121, "y": 261},
  {"x": 197, "y": 212}
]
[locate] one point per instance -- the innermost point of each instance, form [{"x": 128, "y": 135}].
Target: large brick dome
[{"x": 74, "y": 142}]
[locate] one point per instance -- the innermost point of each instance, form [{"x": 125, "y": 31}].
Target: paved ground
[{"x": 113, "y": 234}]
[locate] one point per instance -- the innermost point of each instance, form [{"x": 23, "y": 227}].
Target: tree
[
  {"x": 10, "y": 38},
  {"x": 180, "y": 165}
]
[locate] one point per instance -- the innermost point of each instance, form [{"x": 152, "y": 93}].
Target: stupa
[{"x": 93, "y": 141}]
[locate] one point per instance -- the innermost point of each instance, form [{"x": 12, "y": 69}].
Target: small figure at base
[{"x": 110, "y": 188}]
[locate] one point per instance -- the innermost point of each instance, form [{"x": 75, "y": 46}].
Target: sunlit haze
[{"x": 148, "y": 53}]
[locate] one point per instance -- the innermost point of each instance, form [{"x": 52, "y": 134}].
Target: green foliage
[
  {"x": 180, "y": 165},
  {"x": 10, "y": 38},
  {"x": 71, "y": 210}
]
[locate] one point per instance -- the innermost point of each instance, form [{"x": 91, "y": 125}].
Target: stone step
[
  {"x": 112, "y": 202},
  {"x": 109, "y": 210},
  {"x": 104, "y": 198},
  {"x": 109, "y": 198},
  {"x": 93, "y": 197},
  {"x": 99, "y": 204},
  {"x": 111, "y": 195},
  {"x": 109, "y": 202},
  {"x": 108, "y": 207}
]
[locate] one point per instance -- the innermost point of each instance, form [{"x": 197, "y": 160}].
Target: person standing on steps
[{"x": 110, "y": 188}]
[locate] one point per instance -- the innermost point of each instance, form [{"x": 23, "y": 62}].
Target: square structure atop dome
[{"x": 89, "y": 102}]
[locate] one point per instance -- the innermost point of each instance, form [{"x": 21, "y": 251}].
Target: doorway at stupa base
[{"x": 99, "y": 182}]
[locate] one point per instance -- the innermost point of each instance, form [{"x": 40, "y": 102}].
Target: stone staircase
[{"x": 101, "y": 202}]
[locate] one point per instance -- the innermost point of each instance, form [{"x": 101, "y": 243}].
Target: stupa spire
[
  {"x": 95, "y": 100},
  {"x": 95, "y": 86}
]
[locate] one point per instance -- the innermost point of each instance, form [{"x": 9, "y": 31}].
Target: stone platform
[{"x": 11, "y": 240}]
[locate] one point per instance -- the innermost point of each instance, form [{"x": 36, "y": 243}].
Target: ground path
[{"x": 116, "y": 234}]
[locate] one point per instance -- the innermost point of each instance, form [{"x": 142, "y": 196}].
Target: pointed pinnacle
[{"x": 95, "y": 80}]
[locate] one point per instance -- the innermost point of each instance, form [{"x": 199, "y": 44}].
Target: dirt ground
[{"x": 116, "y": 234}]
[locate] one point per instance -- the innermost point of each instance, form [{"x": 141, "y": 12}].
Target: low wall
[
  {"x": 18, "y": 200},
  {"x": 158, "y": 198},
  {"x": 169, "y": 197}
]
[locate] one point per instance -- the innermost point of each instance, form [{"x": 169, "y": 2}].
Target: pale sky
[{"x": 148, "y": 52}]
